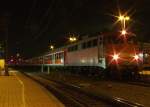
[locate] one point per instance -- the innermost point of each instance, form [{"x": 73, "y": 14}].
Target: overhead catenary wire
[
  {"x": 46, "y": 14},
  {"x": 29, "y": 18},
  {"x": 31, "y": 12},
  {"x": 45, "y": 28}
]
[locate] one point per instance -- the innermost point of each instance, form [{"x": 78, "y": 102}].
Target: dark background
[{"x": 34, "y": 24}]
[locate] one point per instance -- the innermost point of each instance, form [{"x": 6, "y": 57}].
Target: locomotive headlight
[
  {"x": 136, "y": 57},
  {"x": 115, "y": 57}
]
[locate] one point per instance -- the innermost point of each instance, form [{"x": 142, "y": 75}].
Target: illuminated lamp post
[
  {"x": 72, "y": 39},
  {"x": 51, "y": 47},
  {"x": 123, "y": 20}
]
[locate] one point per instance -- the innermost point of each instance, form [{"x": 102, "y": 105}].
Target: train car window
[
  {"x": 69, "y": 49},
  {"x": 100, "y": 39},
  {"x": 73, "y": 48},
  {"x": 113, "y": 40},
  {"x": 94, "y": 42},
  {"x": 83, "y": 45},
  {"x": 89, "y": 44},
  {"x": 59, "y": 56},
  {"x": 62, "y": 54}
]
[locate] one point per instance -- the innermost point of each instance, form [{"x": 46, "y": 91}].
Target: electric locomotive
[{"x": 123, "y": 55}]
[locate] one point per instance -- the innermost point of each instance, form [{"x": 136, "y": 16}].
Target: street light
[
  {"x": 127, "y": 18},
  {"x": 51, "y": 47},
  {"x": 123, "y": 19},
  {"x": 72, "y": 39}
]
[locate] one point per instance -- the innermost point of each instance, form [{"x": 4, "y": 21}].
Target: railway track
[
  {"x": 144, "y": 84},
  {"x": 137, "y": 83},
  {"x": 68, "y": 96},
  {"x": 73, "y": 96}
]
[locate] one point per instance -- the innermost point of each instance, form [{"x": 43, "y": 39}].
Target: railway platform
[{"x": 18, "y": 90}]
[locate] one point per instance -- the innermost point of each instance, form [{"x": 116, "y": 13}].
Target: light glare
[
  {"x": 136, "y": 57},
  {"x": 121, "y": 17},
  {"x": 115, "y": 57},
  {"x": 123, "y": 32},
  {"x": 72, "y": 39},
  {"x": 127, "y": 18},
  {"x": 52, "y": 47}
]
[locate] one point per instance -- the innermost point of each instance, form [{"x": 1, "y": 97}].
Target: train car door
[{"x": 101, "y": 56}]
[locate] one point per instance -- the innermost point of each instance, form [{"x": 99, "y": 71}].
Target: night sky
[{"x": 33, "y": 24}]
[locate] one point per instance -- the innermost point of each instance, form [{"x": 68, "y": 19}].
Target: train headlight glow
[
  {"x": 136, "y": 57},
  {"x": 115, "y": 57}
]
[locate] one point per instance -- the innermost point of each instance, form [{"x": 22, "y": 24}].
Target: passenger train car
[
  {"x": 106, "y": 51},
  {"x": 81, "y": 53}
]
